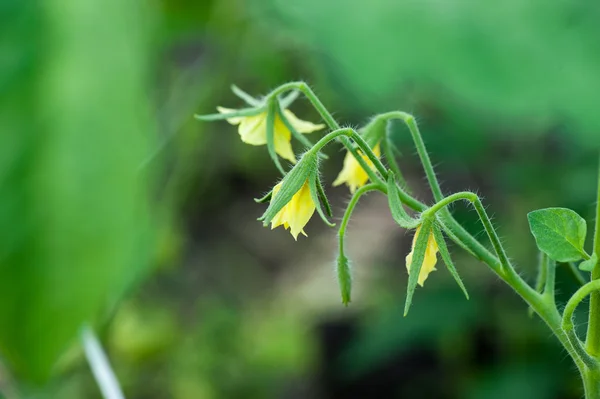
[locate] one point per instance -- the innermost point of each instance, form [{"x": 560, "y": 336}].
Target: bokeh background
[{"x": 118, "y": 209}]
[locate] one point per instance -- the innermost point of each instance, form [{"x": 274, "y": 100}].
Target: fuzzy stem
[
  {"x": 575, "y": 273},
  {"x": 592, "y": 342},
  {"x": 344, "y": 224},
  {"x": 548, "y": 313},
  {"x": 411, "y": 123},
  {"x": 344, "y": 134},
  {"x": 567, "y": 322}
]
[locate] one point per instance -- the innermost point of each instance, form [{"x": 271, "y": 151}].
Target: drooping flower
[
  {"x": 430, "y": 256},
  {"x": 297, "y": 212},
  {"x": 253, "y": 130},
  {"x": 352, "y": 174}
]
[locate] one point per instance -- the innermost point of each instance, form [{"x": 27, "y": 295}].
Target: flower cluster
[
  {"x": 295, "y": 199},
  {"x": 560, "y": 233}
]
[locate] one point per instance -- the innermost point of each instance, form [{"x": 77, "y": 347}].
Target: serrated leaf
[
  {"x": 559, "y": 233},
  {"x": 588, "y": 265}
]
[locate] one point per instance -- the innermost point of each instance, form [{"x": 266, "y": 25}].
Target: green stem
[
  {"x": 344, "y": 224},
  {"x": 344, "y": 134},
  {"x": 333, "y": 125},
  {"x": 592, "y": 342},
  {"x": 567, "y": 323},
  {"x": 542, "y": 272},
  {"x": 388, "y": 152},
  {"x": 547, "y": 312},
  {"x": 549, "y": 286},
  {"x": 411, "y": 123},
  {"x": 487, "y": 224},
  {"x": 575, "y": 273},
  {"x": 591, "y": 384}
]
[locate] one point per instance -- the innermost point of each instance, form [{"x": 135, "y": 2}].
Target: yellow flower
[
  {"x": 430, "y": 257},
  {"x": 352, "y": 173},
  {"x": 296, "y": 213},
  {"x": 253, "y": 130}
]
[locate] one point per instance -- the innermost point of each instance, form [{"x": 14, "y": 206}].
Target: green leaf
[
  {"x": 559, "y": 233},
  {"x": 441, "y": 242},
  {"x": 588, "y": 265},
  {"x": 417, "y": 262},
  {"x": 74, "y": 220}
]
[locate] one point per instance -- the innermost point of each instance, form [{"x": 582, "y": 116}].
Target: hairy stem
[
  {"x": 567, "y": 322},
  {"x": 363, "y": 190},
  {"x": 592, "y": 342},
  {"x": 499, "y": 264}
]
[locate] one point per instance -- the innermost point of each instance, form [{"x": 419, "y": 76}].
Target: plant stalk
[{"x": 592, "y": 342}]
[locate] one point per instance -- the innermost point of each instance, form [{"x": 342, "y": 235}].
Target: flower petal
[
  {"x": 301, "y": 208},
  {"x": 279, "y": 219},
  {"x": 352, "y": 173},
  {"x": 283, "y": 138},
  {"x": 300, "y": 125},
  {"x": 430, "y": 257},
  {"x": 253, "y": 129}
]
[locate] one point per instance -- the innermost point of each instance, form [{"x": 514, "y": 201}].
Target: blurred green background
[{"x": 120, "y": 210}]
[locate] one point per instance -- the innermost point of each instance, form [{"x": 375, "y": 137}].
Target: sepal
[
  {"x": 291, "y": 183},
  {"x": 443, "y": 249},
  {"x": 250, "y": 100},
  {"x": 417, "y": 261},
  {"x": 395, "y": 204},
  {"x": 264, "y": 199},
  {"x": 319, "y": 198},
  {"x": 235, "y": 114}
]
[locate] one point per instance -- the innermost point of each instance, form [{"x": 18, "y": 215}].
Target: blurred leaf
[
  {"x": 73, "y": 220},
  {"x": 529, "y": 380},
  {"x": 531, "y": 62},
  {"x": 559, "y": 233}
]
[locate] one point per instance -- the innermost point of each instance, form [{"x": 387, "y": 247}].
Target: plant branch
[
  {"x": 592, "y": 342},
  {"x": 567, "y": 323}
]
